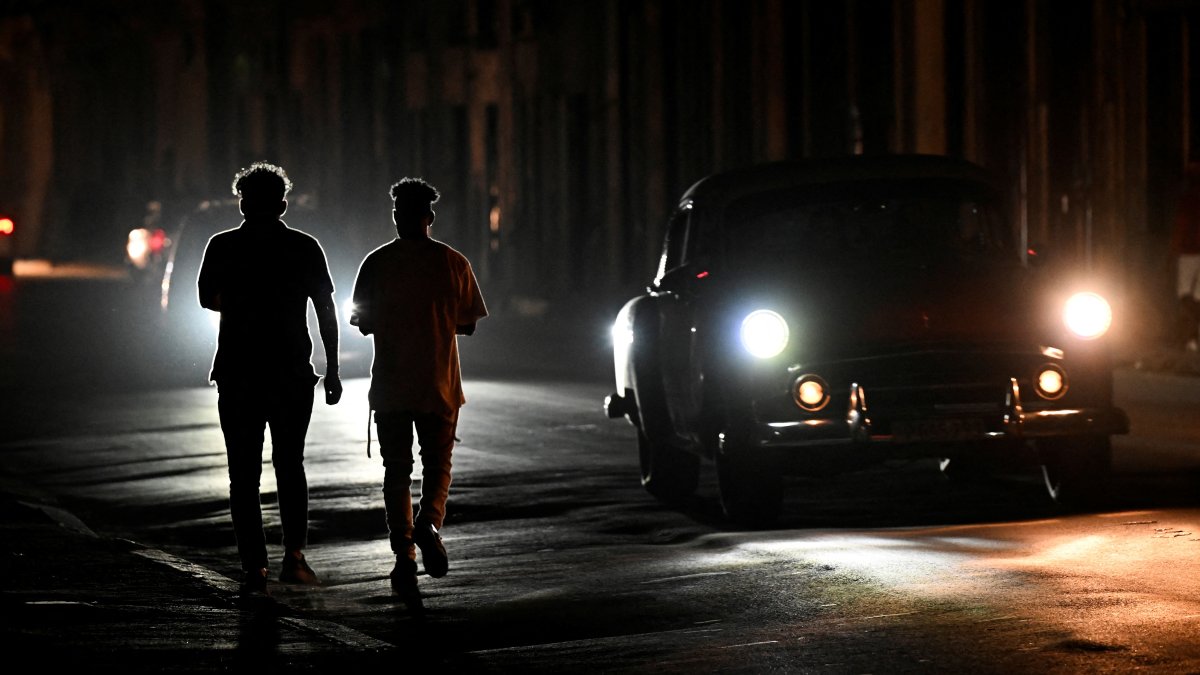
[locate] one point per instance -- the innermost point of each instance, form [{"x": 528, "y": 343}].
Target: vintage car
[{"x": 827, "y": 315}]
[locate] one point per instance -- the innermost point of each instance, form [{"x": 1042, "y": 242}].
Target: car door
[{"x": 676, "y": 289}]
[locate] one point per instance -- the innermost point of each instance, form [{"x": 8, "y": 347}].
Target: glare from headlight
[
  {"x": 622, "y": 341},
  {"x": 764, "y": 333},
  {"x": 622, "y": 336},
  {"x": 137, "y": 247},
  {"x": 1087, "y": 315}
]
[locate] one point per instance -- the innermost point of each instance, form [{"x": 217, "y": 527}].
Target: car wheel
[
  {"x": 751, "y": 492},
  {"x": 669, "y": 474},
  {"x": 1077, "y": 471}
]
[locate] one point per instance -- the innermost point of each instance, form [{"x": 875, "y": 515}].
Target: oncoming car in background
[
  {"x": 147, "y": 246},
  {"x": 190, "y": 331},
  {"x": 8, "y": 229},
  {"x": 828, "y": 315}
]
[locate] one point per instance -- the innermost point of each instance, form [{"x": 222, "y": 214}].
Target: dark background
[{"x": 560, "y": 133}]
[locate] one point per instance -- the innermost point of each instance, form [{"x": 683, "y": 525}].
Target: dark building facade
[{"x": 560, "y": 132}]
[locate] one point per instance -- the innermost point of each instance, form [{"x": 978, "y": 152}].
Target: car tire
[
  {"x": 671, "y": 475},
  {"x": 1077, "y": 472},
  {"x": 751, "y": 492}
]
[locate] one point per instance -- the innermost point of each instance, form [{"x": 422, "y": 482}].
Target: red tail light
[{"x": 7, "y": 226}]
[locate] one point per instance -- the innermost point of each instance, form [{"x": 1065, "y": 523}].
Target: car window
[
  {"x": 906, "y": 222},
  {"x": 676, "y": 244}
]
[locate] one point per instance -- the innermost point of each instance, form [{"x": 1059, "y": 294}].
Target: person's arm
[
  {"x": 360, "y": 316},
  {"x": 327, "y": 325},
  {"x": 472, "y": 307},
  {"x": 206, "y": 284},
  {"x": 211, "y": 301}
]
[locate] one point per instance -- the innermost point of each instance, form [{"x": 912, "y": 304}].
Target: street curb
[{"x": 335, "y": 632}]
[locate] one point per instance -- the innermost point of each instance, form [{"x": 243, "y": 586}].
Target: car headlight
[
  {"x": 764, "y": 333},
  {"x": 1087, "y": 315},
  {"x": 137, "y": 247}
]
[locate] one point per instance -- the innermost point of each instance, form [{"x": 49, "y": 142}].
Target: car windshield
[{"x": 886, "y": 223}]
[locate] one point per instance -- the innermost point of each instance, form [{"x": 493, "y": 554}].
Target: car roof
[{"x": 724, "y": 187}]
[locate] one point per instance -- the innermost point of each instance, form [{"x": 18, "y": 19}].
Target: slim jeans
[
  {"x": 245, "y": 411},
  {"x": 435, "y": 435}
]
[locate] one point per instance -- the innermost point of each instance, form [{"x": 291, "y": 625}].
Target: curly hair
[
  {"x": 262, "y": 180},
  {"x": 414, "y": 196}
]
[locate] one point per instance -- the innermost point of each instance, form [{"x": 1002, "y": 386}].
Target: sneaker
[
  {"x": 404, "y": 579},
  {"x": 296, "y": 570},
  {"x": 433, "y": 552},
  {"x": 254, "y": 582}
]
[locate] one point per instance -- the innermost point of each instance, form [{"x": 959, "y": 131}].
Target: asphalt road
[{"x": 560, "y": 562}]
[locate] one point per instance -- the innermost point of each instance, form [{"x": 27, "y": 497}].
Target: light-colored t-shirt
[{"x": 410, "y": 295}]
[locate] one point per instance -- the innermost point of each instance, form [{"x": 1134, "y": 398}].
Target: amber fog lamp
[
  {"x": 1051, "y": 382},
  {"x": 811, "y": 393}
]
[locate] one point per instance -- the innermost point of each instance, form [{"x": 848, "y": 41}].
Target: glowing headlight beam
[
  {"x": 137, "y": 247},
  {"x": 622, "y": 340},
  {"x": 764, "y": 333},
  {"x": 1087, "y": 315}
]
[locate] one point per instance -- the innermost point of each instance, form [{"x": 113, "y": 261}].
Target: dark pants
[
  {"x": 435, "y": 435},
  {"x": 246, "y": 410}
]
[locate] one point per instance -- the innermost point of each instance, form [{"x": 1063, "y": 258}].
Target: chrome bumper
[{"x": 863, "y": 426}]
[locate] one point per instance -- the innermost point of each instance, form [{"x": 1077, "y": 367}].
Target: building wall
[{"x": 560, "y": 133}]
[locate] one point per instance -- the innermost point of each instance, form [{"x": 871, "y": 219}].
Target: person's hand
[{"x": 333, "y": 387}]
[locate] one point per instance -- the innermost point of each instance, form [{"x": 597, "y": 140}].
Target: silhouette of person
[
  {"x": 1185, "y": 247},
  {"x": 260, "y": 277},
  {"x": 414, "y": 296}
]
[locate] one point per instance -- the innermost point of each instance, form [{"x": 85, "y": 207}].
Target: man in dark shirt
[{"x": 260, "y": 277}]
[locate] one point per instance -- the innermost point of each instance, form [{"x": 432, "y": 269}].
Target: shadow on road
[{"x": 917, "y": 494}]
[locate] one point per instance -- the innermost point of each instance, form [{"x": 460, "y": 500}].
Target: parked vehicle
[{"x": 827, "y": 315}]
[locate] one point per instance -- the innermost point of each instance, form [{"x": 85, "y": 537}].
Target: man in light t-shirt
[{"x": 415, "y": 295}]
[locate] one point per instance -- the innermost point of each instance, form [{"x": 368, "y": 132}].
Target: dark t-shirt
[{"x": 265, "y": 274}]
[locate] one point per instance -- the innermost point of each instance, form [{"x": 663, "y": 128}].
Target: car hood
[{"x": 858, "y": 310}]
